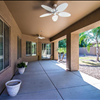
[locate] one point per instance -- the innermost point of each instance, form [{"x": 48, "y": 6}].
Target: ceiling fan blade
[
  {"x": 45, "y": 15},
  {"x": 64, "y": 14},
  {"x": 55, "y": 18},
  {"x": 47, "y": 8},
  {"x": 41, "y": 37},
  {"x": 62, "y": 7}
]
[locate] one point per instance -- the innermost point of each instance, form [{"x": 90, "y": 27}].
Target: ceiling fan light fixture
[
  {"x": 55, "y": 18},
  {"x": 57, "y": 11}
]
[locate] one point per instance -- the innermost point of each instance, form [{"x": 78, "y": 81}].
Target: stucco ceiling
[{"x": 26, "y": 15}]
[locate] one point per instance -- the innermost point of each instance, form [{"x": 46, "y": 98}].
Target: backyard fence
[{"x": 83, "y": 51}]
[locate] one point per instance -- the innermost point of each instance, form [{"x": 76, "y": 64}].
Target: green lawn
[{"x": 89, "y": 60}]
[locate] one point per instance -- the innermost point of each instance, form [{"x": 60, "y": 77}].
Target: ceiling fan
[
  {"x": 58, "y": 10},
  {"x": 45, "y": 2},
  {"x": 39, "y": 37}
]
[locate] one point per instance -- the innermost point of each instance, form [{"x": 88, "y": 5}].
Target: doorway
[{"x": 46, "y": 50}]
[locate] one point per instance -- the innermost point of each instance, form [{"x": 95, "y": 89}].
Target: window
[
  {"x": 4, "y": 45},
  {"x": 30, "y": 48},
  {"x": 18, "y": 48},
  {"x": 46, "y": 51}
]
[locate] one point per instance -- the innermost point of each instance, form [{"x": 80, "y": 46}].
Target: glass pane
[
  {"x": 47, "y": 48},
  {"x": 1, "y": 45},
  {"x": 17, "y": 47},
  {"x": 46, "y": 51},
  {"x": 1, "y": 63},
  {"x": 42, "y": 47},
  {"x": 20, "y": 47},
  {"x": 28, "y": 48},
  {"x": 6, "y": 46},
  {"x": 1, "y": 27},
  {"x": 33, "y": 48},
  {"x": 1, "y": 53},
  {"x": 50, "y": 49}
]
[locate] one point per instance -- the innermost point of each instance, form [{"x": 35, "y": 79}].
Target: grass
[{"x": 89, "y": 60}]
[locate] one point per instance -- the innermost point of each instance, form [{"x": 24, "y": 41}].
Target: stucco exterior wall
[
  {"x": 74, "y": 52},
  {"x": 6, "y": 16},
  {"x": 83, "y": 51},
  {"x": 31, "y": 39},
  {"x": 39, "y": 47}
]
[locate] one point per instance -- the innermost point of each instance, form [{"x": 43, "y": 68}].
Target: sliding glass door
[{"x": 46, "y": 51}]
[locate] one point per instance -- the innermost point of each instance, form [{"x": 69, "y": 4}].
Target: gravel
[
  {"x": 90, "y": 70},
  {"x": 93, "y": 71}
]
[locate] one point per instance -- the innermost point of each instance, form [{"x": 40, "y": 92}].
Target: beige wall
[
  {"x": 92, "y": 51},
  {"x": 32, "y": 39},
  {"x": 74, "y": 52},
  {"x": 14, "y": 32},
  {"x": 7, "y": 74}
]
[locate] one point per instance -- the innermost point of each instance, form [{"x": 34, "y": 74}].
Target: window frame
[
  {"x": 28, "y": 55},
  {"x": 4, "y": 22},
  {"x": 19, "y": 47}
]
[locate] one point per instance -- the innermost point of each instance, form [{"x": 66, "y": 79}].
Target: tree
[
  {"x": 61, "y": 50},
  {"x": 59, "y": 53},
  {"x": 89, "y": 36},
  {"x": 82, "y": 44},
  {"x": 62, "y": 43},
  {"x": 64, "y": 52}
]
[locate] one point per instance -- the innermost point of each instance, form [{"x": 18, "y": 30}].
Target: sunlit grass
[
  {"x": 91, "y": 63},
  {"x": 89, "y": 60}
]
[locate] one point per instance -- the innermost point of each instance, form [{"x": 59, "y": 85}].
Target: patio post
[
  {"x": 52, "y": 50},
  {"x": 68, "y": 53},
  {"x": 73, "y": 51},
  {"x": 55, "y": 50}
]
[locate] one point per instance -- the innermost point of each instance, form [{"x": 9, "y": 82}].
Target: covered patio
[
  {"x": 49, "y": 80},
  {"x": 26, "y": 37}
]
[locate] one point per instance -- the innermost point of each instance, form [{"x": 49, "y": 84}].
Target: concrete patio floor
[{"x": 48, "y": 79}]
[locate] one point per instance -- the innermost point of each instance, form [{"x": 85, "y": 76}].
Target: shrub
[{"x": 21, "y": 65}]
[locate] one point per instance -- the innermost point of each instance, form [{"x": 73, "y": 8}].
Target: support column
[
  {"x": 52, "y": 51},
  {"x": 55, "y": 50},
  {"x": 73, "y": 51},
  {"x": 68, "y": 53}
]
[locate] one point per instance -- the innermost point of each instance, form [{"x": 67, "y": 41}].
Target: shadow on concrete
[{"x": 50, "y": 80}]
